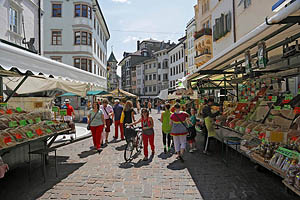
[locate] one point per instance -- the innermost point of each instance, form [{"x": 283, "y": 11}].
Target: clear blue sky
[{"x": 156, "y": 19}]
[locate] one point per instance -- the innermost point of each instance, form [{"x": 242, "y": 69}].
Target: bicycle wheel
[
  {"x": 139, "y": 145},
  {"x": 128, "y": 151}
]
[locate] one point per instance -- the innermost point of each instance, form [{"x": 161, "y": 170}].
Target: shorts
[{"x": 107, "y": 129}]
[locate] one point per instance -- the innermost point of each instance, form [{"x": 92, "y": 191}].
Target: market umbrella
[
  {"x": 119, "y": 93},
  {"x": 97, "y": 92},
  {"x": 69, "y": 94}
]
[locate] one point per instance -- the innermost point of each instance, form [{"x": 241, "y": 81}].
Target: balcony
[
  {"x": 202, "y": 58},
  {"x": 203, "y": 32}
]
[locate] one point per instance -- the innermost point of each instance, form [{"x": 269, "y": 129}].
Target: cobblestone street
[{"x": 84, "y": 174}]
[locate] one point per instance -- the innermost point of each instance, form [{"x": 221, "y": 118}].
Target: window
[
  {"x": 154, "y": 65},
  {"x": 182, "y": 66},
  {"x": 149, "y": 66},
  {"x": 82, "y": 38},
  {"x": 165, "y": 77},
  {"x": 150, "y": 89},
  {"x": 159, "y": 65},
  {"x": 95, "y": 46},
  {"x": 56, "y": 58},
  {"x": 83, "y": 10},
  {"x": 154, "y": 76},
  {"x": 95, "y": 68},
  {"x": 95, "y": 23},
  {"x": 146, "y": 89},
  {"x": 77, "y": 63},
  {"x": 177, "y": 70},
  {"x": 84, "y": 64},
  {"x": 146, "y": 77},
  {"x": 98, "y": 28},
  {"x": 150, "y": 77},
  {"x": 154, "y": 88},
  {"x": 56, "y": 38},
  {"x": 56, "y": 10},
  {"x": 247, "y": 3},
  {"x": 13, "y": 20},
  {"x": 171, "y": 72},
  {"x": 158, "y": 77},
  {"x": 90, "y": 66}
]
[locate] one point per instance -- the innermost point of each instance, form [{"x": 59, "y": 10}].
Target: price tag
[
  {"x": 39, "y": 132},
  {"x": 297, "y": 110},
  {"x": 201, "y": 101},
  {"x": 288, "y": 153},
  {"x": 30, "y": 121},
  {"x": 63, "y": 112},
  {"x": 29, "y": 134},
  {"x": 50, "y": 122},
  {"x": 274, "y": 99},
  {"x": 287, "y": 107},
  {"x": 19, "y": 109},
  {"x": 13, "y": 124},
  {"x": 7, "y": 140},
  {"x": 55, "y": 109},
  {"x": 48, "y": 131},
  {"x": 277, "y": 107},
  {"x": 9, "y": 111},
  {"x": 38, "y": 120},
  {"x": 23, "y": 122}
]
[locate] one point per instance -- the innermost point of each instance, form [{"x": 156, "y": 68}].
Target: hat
[
  {"x": 117, "y": 101},
  {"x": 67, "y": 101}
]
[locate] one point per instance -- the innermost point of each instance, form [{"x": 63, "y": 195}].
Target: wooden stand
[{"x": 296, "y": 191}]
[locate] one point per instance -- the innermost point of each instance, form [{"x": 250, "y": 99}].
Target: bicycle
[{"x": 134, "y": 142}]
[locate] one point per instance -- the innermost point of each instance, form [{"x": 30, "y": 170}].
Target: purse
[
  {"x": 110, "y": 119},
  {"x": 89, "y": 125}
]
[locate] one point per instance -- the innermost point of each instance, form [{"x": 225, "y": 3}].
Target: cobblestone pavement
[{"x": 84, "y": 174}]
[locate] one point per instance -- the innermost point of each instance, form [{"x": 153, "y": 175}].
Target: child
[
  {"x": 148, "y": 132},
  {"x": 192, "y": 123}
]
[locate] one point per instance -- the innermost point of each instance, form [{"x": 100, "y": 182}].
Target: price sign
[
  {"x": 38, "y": 120},
  {"x": 19, "y": 109},
  {"x": 19, "y": 136},
  {"x": 287, "y": 107},
  {"x": 50, "y": 122},
  {"x": 7, "y": 140},
  {"x": 288, "y": 153},
  {"x": 9, "y": 111},
  {"x": 48, "y": 131},
  {"x": 29, "y": 134},
  {"x": 23, "y": 122},
  {"x": 39, "y": 132},
  {"x": 297, "y": 110},
  {"x": 274, "y": 99},
  {"x": 55, "y": 109},
  {"x": 30, "y": 121},
  {"x": 63, "y": 112},
  {"x": 12, "y": 124}
]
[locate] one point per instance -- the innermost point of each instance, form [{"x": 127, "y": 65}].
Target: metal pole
[
  {"x": 15, "y": 90},
  {"x": 1, "y": 89}
]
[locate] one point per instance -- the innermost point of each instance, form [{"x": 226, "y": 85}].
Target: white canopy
[
  {"x": 40, "y": 84},
  {"x": 163, "y": 94},
  {"x": 26, "y": 61}
]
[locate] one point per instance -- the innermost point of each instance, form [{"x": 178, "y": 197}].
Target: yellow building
[{"x": 203, "y": 34}]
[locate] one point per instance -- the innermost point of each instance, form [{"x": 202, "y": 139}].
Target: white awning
[
  {"x": 163, "y": 94},
  {"x": 254, "y": 37},
  {"x": 12, "y": 57}
]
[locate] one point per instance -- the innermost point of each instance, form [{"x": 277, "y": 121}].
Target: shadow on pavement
[
  {"x": 16, "y": 182},
  {"x": 121, "y": 148},
  {"x": 176, "y": 165},
  {"x": 86, "y": 154},
  {"x": 165, "y": 156}
]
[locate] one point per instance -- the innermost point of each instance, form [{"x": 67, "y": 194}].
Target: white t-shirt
[{"x": 107, "y": 110}]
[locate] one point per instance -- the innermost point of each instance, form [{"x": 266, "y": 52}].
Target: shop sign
[
  {"x": 262, "y": 55},
  {"x": 248, "y": 65},
  {"x": 222, "y": 26}
]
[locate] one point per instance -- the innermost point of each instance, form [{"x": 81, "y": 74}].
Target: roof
[
  {"x": 150, "y": 40},
  {"x": 112, "y": 58},
  {"x": 103, "y": 18}
]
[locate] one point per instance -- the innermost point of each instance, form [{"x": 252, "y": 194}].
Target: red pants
[
  {"x": 117, "y": 125},
  {"x": 145, "y": 141},
  {"x": 97, "y": 132}
]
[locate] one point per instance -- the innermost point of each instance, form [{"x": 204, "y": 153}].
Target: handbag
[
  {"x": 187, "y": 128},
  {"x": 89, "y": 125},
  {"x": 110, "y": 119}
]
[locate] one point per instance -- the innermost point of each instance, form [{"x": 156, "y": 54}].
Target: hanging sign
[
  {"x": 262, "y": 55},
  {"x": 248, "y": 66}
]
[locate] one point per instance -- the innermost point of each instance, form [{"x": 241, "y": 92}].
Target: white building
[
  {"x": 191, "y": 53},
  {"x": 176, "y": 64},
  {"x": 76, "y": 34},
  {"x": 20, "y": 19},
  {"x": 140, "y": 79},
  {"x": 162, "y": 59}
]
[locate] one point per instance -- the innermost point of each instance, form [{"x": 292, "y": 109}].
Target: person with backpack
[
  {"x": 96, "y": 124},
  {"x": 166, "y": 128},
  {"x": 179, "y": 130},
  {"x": 148, "y": 132}
]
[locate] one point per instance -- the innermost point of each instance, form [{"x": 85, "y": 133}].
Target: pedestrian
[
  {"x": 138, "y": 106},
  {"x": 192, "y": 131},
  {"x": 108, "y": 116},
  {"x": 118, "y": 109},
  {"x": 179, "y": 130},
  {"x": 166, "y": 128},
  {"x": 127, "y": 115},
  {"x": 148, "y": 132},
  {"x": 145, "y": 104},
  {"x": 149, "y": 106},
  {"x": 70, "y": 117},
  {"x": 97, "y": 123},
  {"x": 173, "y": 107},
  {"x": 158, "y": 107},
  {"x": 209, "y": 130}
]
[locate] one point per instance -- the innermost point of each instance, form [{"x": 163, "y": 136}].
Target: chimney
[{"x": 138, "y": 45}]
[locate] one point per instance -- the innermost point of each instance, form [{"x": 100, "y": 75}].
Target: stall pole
[
  {"x": 237, "y": 92},
  {"x": 15, "y": 90},
  {"x": 1, "y": 89}
]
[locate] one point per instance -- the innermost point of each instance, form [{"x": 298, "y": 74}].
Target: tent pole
[
  {"x": 15, "y": 90},
  {"x": 1, "y": 89}
]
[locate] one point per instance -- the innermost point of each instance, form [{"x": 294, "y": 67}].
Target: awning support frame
[{"x": 15, "y": 90}]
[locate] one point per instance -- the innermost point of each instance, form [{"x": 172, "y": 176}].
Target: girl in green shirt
[{"x": 166, "y": 127}]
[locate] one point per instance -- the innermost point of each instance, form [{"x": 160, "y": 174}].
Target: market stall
[{"x": 257, "y": 81}]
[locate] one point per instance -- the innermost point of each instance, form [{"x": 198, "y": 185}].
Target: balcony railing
[{"x": 204, "y": 31}]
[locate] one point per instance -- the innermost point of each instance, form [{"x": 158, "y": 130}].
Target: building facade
[
  {"x": 140, "y": 79},
  {"x": 150, "y": 81},
  {"x": 190, "y": 52},
  {"x": 162, "y": 59},
  {"x": 176, "y": 64},
  {"x": 112, "y": 77},
  {"x": 21, "y": 23},
  {"x": 76, "y": 34}
]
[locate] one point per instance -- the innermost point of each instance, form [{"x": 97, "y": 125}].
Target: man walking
[
  {"x": 118, "y": 109},
  {"x": 108, "y": 116},
  {"x": 149, "y": 106}
]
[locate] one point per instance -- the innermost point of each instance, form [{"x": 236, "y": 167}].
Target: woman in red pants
[
  {"x": 97, "y": 123},
  {"x": 148, "y": 132}
]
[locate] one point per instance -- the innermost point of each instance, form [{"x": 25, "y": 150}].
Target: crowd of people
[{"x": 178, "y": 125}]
